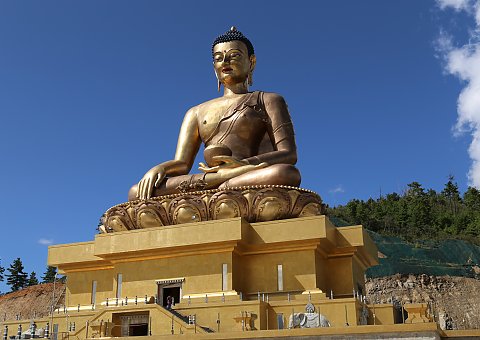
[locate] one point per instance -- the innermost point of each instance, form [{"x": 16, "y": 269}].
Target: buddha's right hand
[
  {"x": 150, "y": 181},
  {"x": 227, "y": 162}
]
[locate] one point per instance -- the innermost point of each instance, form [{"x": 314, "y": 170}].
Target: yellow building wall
[
  {"x": 237, "y": 280},
  {"x": 259, "y": 271},
  {"x": 202, "y": 273},
  {"x": 79, "y": 287},
  {"x": 321, "y": 268},
  {"x": 207, "y": 314},
  {"x": 384, "y": 314},
  {"x": 340, "y": 276},
  {"x": 358, "y": 273}
]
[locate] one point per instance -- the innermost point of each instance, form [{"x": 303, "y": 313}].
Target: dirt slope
[
  {"x": 31, "y": 301},
  {"x": 455, "y": 300}
]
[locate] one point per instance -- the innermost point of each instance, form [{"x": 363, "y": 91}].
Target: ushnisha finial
[{"x": 231, "y": 35}]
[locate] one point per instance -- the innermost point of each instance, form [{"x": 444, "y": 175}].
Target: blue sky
[{"x": 92, "y": 94}]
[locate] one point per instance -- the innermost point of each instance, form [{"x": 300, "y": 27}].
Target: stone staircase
[
  {"x": 180, "y": 321},
  {"x": 186, "y": 319}
]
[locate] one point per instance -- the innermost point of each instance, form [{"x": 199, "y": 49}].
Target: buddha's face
[{"x": 231, "y": 62}]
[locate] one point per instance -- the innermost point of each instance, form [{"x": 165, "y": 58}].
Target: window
[
  {"x": 280, "y": 320},
  {"x": 94, "y": 291},
  {"x": 119, "y": 286},
  {"x": 280, "y": 277},
  {"x": 224, "y": 276}
]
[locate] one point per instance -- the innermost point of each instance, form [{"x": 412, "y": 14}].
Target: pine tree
[
  {"x": 49, "y": 275},
  {"x": 452, "y": 195},
  {"x": 32, "y": 280},
  {"x": 17, "y": 279},
  {"x": 471, "y": 197},
  {"x": 2, "y": 270},
  {"x": 418, "y": 209}
]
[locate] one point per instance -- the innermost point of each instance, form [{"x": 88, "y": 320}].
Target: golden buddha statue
[{"x": 248, "y": 136}]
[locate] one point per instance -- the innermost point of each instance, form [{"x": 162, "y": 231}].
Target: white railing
[{"x": 109, "y": 302}]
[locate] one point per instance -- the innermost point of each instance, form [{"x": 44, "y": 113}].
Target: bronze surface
[
  {"x": 254, "y": 203},
  {"x": 248, "y": 136}
]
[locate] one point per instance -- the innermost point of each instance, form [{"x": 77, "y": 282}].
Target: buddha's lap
[{"x": 276, "y": 174}]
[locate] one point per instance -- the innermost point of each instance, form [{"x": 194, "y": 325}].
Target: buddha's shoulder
[
  {"x": 272, "y": 98},
  {"x": 205, "y": 106}
]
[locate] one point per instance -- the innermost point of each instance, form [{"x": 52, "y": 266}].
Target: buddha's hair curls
[{"x": 231, "y": 35}]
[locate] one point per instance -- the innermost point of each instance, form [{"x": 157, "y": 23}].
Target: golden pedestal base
[
  {"x": 228, "y": 279},
  {"x": 230, "y": 274},
  {"x": 233, "y": 278}
]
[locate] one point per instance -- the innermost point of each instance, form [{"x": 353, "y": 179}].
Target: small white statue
[{"x": 310, "y": 319}]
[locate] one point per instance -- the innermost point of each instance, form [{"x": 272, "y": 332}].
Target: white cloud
[
  {"x": 443, "y": 45},
  {"x": 456, "y": 4},
  {"x": 336, "y": 190},
  {"x": 464, "y": 63},
  {"x": 45, "y": 242}
]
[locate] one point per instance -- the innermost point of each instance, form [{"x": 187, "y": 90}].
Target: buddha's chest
[
  {"x": 210, "y": 117},
  {"x": 231, "y": 118}
]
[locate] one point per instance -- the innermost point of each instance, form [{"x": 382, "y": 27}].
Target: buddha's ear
[{"x": 253, "y": 62}]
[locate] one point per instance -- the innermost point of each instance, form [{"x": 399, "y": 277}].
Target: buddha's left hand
[{"x": 229, "y": 162}]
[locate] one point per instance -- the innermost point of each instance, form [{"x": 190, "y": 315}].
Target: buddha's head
[{"x": 233, "y": 58}]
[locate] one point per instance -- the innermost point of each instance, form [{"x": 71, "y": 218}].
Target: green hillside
[
  {"x": 447, "y": 257},
  {"x": 420, "y": 231}
]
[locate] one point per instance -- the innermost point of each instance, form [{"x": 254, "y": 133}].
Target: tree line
[
  {"x": 418, "y": 213},
  {"x": 18, "y": 279}
]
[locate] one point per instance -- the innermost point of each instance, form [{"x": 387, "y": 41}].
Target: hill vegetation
[
  {"x": 417, "y": 213},
  {"x": 18, "y": 279},
  {"x": 420, "y": 231}
]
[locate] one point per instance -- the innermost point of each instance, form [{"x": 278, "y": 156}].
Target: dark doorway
[
  {"x": 174, "y": 292},
  {"x": 138, "y": 329}
]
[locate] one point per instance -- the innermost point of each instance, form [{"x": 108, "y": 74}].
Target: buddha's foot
[{"x": 254, "y": 203}]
